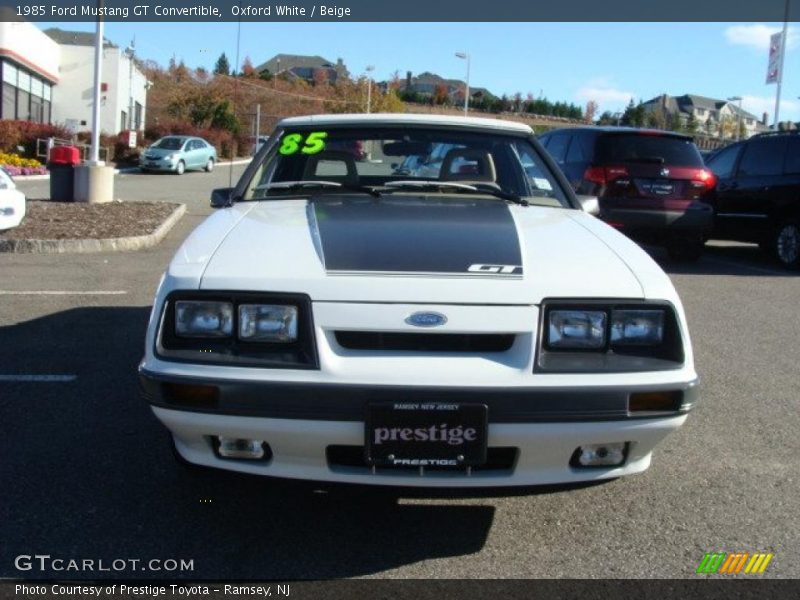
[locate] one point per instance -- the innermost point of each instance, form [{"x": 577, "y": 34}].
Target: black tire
[
  {"x": 785, "y": 244},
  {"x": 688, "y": 249},
  {"x": 209, "y": 165},
  {"x": 180, "y": 168}
]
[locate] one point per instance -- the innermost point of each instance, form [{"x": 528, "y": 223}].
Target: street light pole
[
  {"x": 739, "y": 115},
  {"x": 131, "y": 52},
  {"x": 369, "y": 70},
  {"x": 465, "y": 56},
  {"x": 94, "y": 154}
]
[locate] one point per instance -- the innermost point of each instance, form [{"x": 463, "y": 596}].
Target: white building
[
  {"x": 123, "y": 89},
  {"x": 29, "y": 61}
]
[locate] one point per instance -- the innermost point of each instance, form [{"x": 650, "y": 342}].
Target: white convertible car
[
  {"x": 347, "y": 314},
  {"x": 12, "y": 202}
]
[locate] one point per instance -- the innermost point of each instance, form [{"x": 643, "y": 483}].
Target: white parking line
[
  {"x": 62, "y": 293},
  {"x": 38, "y": 378}
]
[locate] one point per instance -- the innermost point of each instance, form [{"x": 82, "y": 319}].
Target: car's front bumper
[
  {"x": 300, "y": 449},
  {"x": 308, "y": 427},
  {"x": 158, "y": 164}
]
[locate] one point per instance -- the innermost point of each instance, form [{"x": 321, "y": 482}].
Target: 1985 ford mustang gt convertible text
[{"x": 414, "y": 300}]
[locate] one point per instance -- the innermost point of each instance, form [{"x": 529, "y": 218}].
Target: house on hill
[{"x": 304, "y": 67}]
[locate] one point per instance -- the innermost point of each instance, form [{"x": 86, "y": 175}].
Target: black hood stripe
[{"x": 418, "y": 237}]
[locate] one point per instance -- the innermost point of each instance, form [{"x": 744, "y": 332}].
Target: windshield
[
  {"x": 396, "y": 160},
  {"x": 169, "y": 143}
]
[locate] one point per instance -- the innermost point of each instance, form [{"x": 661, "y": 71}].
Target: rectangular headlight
[
  {"x": 203, "y": 318},
  {"x": 578, "y": 329},
  {"x": 268, "y": 323},
  {"x": 637, "y": 327}
]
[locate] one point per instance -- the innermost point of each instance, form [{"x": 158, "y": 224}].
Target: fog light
[
  {"x": 240, "y": 448},
  {"x": 600, "y": 455}
]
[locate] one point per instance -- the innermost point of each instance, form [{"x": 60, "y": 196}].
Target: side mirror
[
  {"x": 590, "y": 205},
  {"x": 221, "y": 197}
]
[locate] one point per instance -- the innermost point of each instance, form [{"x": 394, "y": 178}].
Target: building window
[
  {"x": 26, "y": 97},
  {"x": 123, "y": 120},
  {"x": 701, "y": 112},
  {"x": 137, "y": 117}
]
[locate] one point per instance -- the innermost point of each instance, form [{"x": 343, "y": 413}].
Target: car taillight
[
  {"x": 604, "y": 175},
  {"x": 704, "y": 179}
]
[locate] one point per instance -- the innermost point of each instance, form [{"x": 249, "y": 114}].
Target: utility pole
[
  {"x": 258, "y": 129},
  {"x": 369, "y": 70}
]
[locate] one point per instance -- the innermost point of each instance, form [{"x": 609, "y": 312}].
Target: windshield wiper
[
  {"x": 288, "y": 186},
  {"x": 491, "y": 189}
]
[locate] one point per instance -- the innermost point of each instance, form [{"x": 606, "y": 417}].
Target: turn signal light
[
  {"x": 664, "y": 401},
  {"x": 191, "y": 395}
]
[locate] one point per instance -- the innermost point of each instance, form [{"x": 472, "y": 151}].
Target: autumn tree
[
  {"x": 247, "y": 68},
  {"x": 591, "y": 110}
]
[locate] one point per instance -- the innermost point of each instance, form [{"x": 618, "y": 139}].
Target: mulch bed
[{"x": 45, "y": 220}]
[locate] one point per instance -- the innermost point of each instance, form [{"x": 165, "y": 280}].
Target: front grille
[
  {"x": 425, "y": 342},
  {"x": 500, "y": 459}
]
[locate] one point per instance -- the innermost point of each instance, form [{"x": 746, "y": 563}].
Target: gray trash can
[
  {"x": 62, "y": 183},
  {"x": 62, "y": 172}
]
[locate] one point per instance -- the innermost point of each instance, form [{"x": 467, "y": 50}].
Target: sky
[{"x": 574, "y": 62}]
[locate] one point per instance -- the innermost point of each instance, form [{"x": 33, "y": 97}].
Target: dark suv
[
  {"x": 651, "y": 185},
  {"x": 758, "y": 196}
]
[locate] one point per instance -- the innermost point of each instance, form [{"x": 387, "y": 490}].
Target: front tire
[
  {"x": 180, "y": 168},
  {"x": 786, "y": 244},
  {"x": 210, "y": 165}
]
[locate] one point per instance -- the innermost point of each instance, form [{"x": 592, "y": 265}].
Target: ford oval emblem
[{"x": 426, "y": 319}]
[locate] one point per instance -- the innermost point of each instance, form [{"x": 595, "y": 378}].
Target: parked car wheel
[
  {"x": 786, "y": 244},
  {"x": 180, "y": 168},
  {"x": 210, "y": 165},
  {"x": 686, "y": 249}
]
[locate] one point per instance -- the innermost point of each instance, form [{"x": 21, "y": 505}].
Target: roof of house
[
  {"x": 75, "y": 38},
  {"x": 376, "y": 119},
  {"x": 285, "y": 62}
]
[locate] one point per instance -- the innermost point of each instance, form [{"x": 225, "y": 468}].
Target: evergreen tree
[{"x": 222, "y": 66}]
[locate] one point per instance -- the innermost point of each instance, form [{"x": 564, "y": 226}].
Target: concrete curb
[
  {"x": 127, "y": 170},
  {"x": 121, "y": 244}
]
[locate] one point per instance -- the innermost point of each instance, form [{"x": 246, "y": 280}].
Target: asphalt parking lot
[{"x": 87, "y": 472}]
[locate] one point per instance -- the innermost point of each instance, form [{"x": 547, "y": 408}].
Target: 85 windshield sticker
[{"x": 310, "y": 143}]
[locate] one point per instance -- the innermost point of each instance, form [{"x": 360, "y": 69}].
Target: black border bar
[{"x": 406, "y": 11}]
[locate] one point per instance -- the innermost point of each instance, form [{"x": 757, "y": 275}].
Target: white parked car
[
  {"x": 335, "y": 320},
  {"x": 12, "y": 202}
]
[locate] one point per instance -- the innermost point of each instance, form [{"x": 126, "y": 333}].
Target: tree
[
  {"x": 247, "y": 68},
  {"x": 222, "y": 66},
  {"x": 321, "y": 77},
  {"x": 691, "y": 123},
  {"x": 591, "y": 110},
  {"x": 440, "y": 95},
  {"x": 224, "y": 118}
]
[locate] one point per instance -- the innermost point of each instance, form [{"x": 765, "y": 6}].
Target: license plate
[
  {"x": 657, "y": 188},
  {"x": 428, "y": 434}
]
